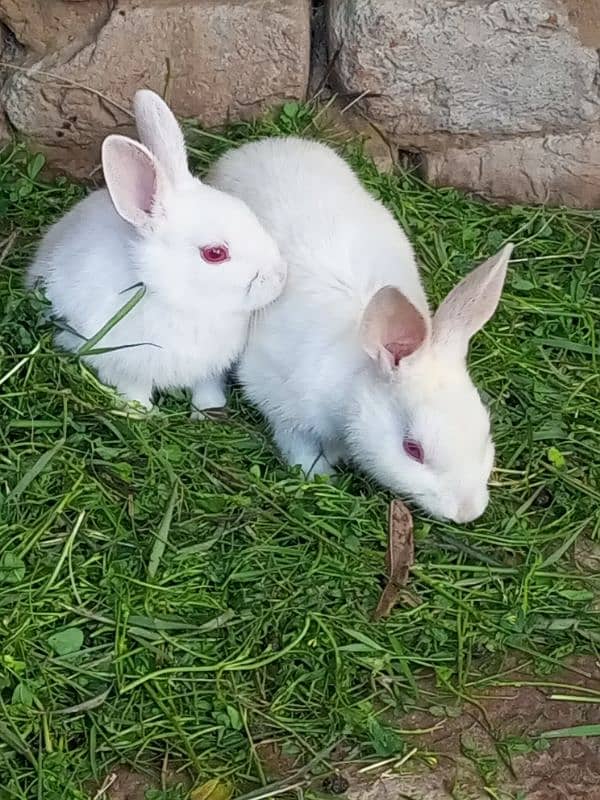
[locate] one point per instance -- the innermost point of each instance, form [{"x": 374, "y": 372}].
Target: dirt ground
[
  {"x": 124, "y": 783},
  {"x": 490, "y": 751}
]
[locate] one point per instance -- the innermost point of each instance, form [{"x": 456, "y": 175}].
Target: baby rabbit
[
  {"x": 349, "y": 363},
  {"x": 204, "y": 258}
]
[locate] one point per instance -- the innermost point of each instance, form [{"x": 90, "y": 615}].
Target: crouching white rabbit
[
  {"x": 348, "y": 363},
  {"x": 203, "y": 257}
]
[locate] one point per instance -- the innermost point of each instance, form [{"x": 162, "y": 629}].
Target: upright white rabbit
[
  {"x": 204, "y": 258},
  {"x": 348, "y": 362}
]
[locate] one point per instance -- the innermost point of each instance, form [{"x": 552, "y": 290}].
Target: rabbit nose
[{"x": 470, "y": 508}]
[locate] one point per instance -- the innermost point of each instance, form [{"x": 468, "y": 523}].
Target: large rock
[
  {"x": 437, "y": 75},
  {"x": 213, "y": 59},
  {"x": 508, "y": 66},
  {"x": 43, "y": 25},
  {"x": 559, "y": 169}
]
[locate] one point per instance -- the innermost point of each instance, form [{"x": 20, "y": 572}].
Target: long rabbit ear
[
  {"x": 133, "y": 178},
  {"x": 471, "y": 303},
  {"x": 160, "y": 132},
  {"x": 391, "y": 328}
]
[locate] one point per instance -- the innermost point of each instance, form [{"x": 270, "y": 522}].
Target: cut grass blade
[
  {"x": 86, "y": 705},
  {"x": 40, "y": 465},
  {"x": 20, "y": 364},
  {"x": 91, "y": 343},
  {"x": 575, "y": 698},
  {"x": 577, "y": 730},
  {"x": 162, "y": 535}
]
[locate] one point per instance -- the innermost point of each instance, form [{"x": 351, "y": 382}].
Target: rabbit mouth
[{"x": 251, "y": 284}]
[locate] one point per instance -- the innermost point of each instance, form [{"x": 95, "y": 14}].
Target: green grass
[{"x": 168, "y": 588}]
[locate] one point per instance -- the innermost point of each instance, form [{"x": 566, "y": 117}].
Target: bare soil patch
[{"x": 493, "y": 748}]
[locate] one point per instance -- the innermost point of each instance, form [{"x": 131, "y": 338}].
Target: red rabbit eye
[
  {"x": 413, "y": 450},
  {"x": 215, "y": 254}
]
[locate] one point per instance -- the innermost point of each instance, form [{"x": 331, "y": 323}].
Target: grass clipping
[{"x": 255, "y": 622}]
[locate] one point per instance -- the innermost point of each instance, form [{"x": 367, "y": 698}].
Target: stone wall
[
  {"x": 500, "y": 97},
  {"x": 497, "y": 96},
  {"x": 75, "y": 64}
]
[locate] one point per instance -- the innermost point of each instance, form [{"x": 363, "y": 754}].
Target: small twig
[
  {"x": 7, "y": 245},
  {"x": 357, "y": 99},
  {"x": 298, "y": 780},
  {"x": 107, "y": 783},
  {"x": 164, "y": 771},
  {"x": 168, "y": 81}
]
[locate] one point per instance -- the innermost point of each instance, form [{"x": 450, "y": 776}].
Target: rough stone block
[
  {"x": 560, "y": 169},
  {"x": 213, "y": 59},
  {"x": 502, "y": 67},
  {"x": 43, "y": 25},
  {"x": 500, "y": 97}
]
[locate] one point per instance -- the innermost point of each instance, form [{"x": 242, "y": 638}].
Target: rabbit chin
[
  {"x": 467, "y": 509},
  {"x": 265, "y": 287}
]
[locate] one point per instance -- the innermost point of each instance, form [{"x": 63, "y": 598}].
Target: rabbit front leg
[
  {"x": 136, "y": 394},
  {"x": 335, "y": 451},
  {"x": 301, "y": 448},
  {"x": 208, "y": 394},
  {"x": 132, "y": 386}
]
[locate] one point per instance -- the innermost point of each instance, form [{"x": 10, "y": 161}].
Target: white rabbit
[
  {"x": 204, "y": 258},
  {"x": 348, "y": 363}
]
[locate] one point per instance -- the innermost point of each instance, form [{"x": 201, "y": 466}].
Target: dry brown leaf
[{"x": 399, "y": 558}]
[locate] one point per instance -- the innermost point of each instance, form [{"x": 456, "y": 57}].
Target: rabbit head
[
  {"x": 418, "y": 424},
  {"x": 190, "y": 242}
]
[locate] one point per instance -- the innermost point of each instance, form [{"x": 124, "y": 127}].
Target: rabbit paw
[
  {"x": 208, "y": 399},
  {"x": 138, "y": 398},
  {"x": 320, "y": 467},
  {"x": 303, "y": 449},
  {"x": 209, "y": 413}
]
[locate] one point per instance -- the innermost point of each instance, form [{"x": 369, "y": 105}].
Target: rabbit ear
[
  {"x": 160, "y": 132},
  {"x": 133, "y": 178},
  {"x": 472, "y": 302},
  {"x": 391, "y": 328}
]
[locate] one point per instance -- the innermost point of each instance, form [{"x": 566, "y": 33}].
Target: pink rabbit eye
[
  {"x": 413, "y": 450},
  {"x": 215, "y": 254}
]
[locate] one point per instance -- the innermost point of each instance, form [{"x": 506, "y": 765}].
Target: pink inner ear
[
  {"x": 399, "y": 350},
  {"x": 132, "y": 178},
  {"x": 391, "y": 326},
  {"x": 472, "y": 302},
  {"x": 147, "y": 192},
  {"x": 144, "y": 181}
]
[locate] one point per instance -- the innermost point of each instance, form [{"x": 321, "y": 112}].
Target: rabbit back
[
  {"x": 341, "y": 246},
  {"x": 349, "y": 363}
]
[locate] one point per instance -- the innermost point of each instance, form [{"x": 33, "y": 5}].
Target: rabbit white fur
[
  {"x": 156, "y": 224},
  {"x": 348, "y": 363}
]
